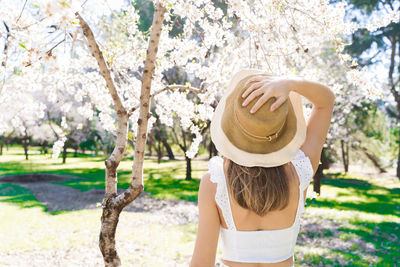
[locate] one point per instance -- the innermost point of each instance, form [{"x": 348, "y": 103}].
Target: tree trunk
[
  {"x": 188, "y": 168},
  {"x": 112, "y": 203},
  {"x": 64, "y": 160},
  {"x": 75, "y": 151},
  {"x": 345, "y": 155},
  {"x": 398, "y": 158},
  {"x": 160, "y": 152},
  {"x": 150, "y": 144},
  {"x": 109, "y": 149},
  {"x": 348, "y": 155},
  {"x": 212, "y": 150},
  {"x": 317, "y": 179},
  {"x": 373, "y": 159},
  {"x": 324, "y": 160},
  {"x": 1, "y": 148},
  {"x": 160, "y": 131},
  {"x": 395, "y": 92},
  {"x": 26, "y": 144},
  {"x": 188, "y": 160},
  {"x": 171, "y": 155},
  {"x": 319, "y": 173},
  {"x": 44, "y": 147}
]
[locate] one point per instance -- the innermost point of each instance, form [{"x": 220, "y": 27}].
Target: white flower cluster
[
  {"x": 364, "y": 81},
  {"x": 60, "y": 11},
  {"x": 194, "y": 147},
  {"x": 383, "y": 20},
  {"x": 277, "y": 36},
  {"x": 57, "y": 147}
]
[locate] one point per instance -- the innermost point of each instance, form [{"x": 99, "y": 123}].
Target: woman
[{"x": 254, "y": 197}]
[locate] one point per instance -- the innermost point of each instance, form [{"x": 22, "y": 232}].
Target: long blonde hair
[{"x": 259, "y": 189}]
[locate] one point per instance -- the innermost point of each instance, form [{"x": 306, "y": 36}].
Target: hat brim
[{"x": 244, "y": 158}]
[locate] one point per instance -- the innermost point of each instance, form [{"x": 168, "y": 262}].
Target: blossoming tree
[{"x": 120, "y": 74}]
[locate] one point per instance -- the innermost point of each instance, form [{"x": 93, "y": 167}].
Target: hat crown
[
  {"x": 235, "y": 143},
  {"x": 263, "y": 122}
]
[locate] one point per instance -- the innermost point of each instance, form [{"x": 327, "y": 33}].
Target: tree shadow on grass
[
  {"x": 372, "y": 244},
  {"x": 161, "y": 182},
  {"x": 376, "y": 244},
  {"x": 333, "y": 258},
  {"x": 171, "y": 188},
  {"x": 376, "y": 199},
  {"x": 39, "y": 188},
  {"x": 22, "y": 167},
  {"x": 384, "y": 236},
  {"x": 18, "y": 195},
  {"x": 83, "y": 179}
]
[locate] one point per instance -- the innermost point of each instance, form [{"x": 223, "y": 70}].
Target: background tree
[{"x": 379, "y": 44}]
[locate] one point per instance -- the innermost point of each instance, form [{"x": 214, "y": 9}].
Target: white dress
[{"x": 258, "y": 246}]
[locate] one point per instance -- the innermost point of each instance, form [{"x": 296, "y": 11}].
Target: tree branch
[
  {"x": 5, "y": 51},
  {"x": 171, "y": 87},
  {"x": 105, "y": 71},
  {"x": 73, "y": 41},
  {"x": 122, "y": 124},
  {"x": 136, "y": 186},
  {"x": 49, "y": 52},
  {"x": 20, "y": 14},
  {"x": 391, "y": 70}
]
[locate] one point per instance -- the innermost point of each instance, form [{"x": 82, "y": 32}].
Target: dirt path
[{"x": 63, "y": 198}]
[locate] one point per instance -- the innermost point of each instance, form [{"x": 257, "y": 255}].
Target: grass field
[
  {"x": 91, "y": 172},
  {"x": 355, "y": 221}
]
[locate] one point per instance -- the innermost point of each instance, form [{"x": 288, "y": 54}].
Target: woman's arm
[
  {"x": 319, "y": 95},
  {"x": 323, "y": 100},
  {"x": 208, "y": 230}
]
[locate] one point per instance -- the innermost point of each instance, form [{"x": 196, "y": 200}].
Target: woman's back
[
  {"x": 247, "y": 220},
  {"x": 259, "y": 123},
  {"x": 249, "y": 237}
]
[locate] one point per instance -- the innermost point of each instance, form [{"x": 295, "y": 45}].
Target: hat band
[{"x": 268, "y": 137}]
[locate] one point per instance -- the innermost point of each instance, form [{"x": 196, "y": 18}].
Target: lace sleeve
[
  {"x": 215, "y": 167},
  {"x": 304, "y": 169}
]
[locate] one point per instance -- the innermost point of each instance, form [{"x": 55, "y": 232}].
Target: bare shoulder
[
  {"x": 206, "y": 182},
  {"x": 207, "y": 187}
]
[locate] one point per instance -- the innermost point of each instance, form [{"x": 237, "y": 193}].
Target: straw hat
[{"x": 265, "y": 138}]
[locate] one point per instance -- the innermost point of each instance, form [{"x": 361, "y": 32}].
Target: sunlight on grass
[
  {"x": 362, "y": 212},
  {"x": 367, "y": 211},
  {"x": 164, "y": 180}
]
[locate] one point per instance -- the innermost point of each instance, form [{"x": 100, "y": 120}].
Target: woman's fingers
[
  {"x": 277, "y": 103},
  {"x": 260, "y": 102},
  {"x": 253, "y": 95},
  {"x": 252, "y": 87},
  {"x": 252, "y": 79}
]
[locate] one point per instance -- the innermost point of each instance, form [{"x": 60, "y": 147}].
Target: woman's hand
[{"x": 267, "y": 87}]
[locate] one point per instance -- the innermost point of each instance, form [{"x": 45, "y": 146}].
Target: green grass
[
  {"x": 364, "y": 210},
  {"x": 25, "y": 226},
  {"x": 17, "y": 195},
  {"x": 164, "y": 180},
  {"x": 368, "y": 213}
]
